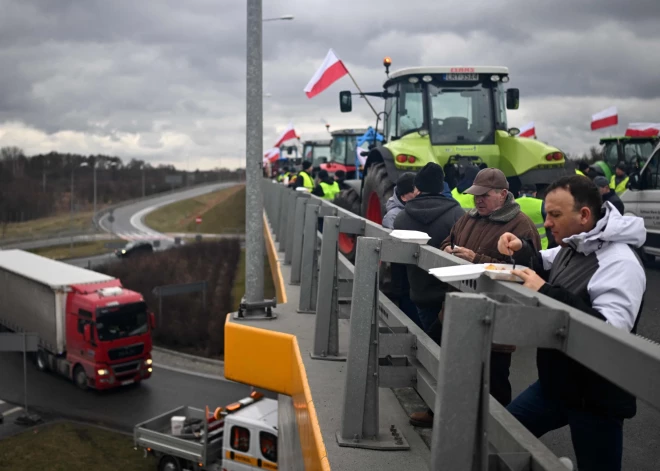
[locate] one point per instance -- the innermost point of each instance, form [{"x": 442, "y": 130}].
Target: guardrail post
[
  {"x": 291, "y": 225},
  {"x": 460, "y": 437},
  {"x": 283, "y": 196},
  {"x": 326, "y": 328},
  {"x": 309, "y": 264},
  {"x": 298, "y": 237},
  {"x": 359, "y": 420}
]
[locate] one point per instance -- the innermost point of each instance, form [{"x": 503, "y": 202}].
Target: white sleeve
[
  {"x": 617, "y": 288},
  {"x": 548, "y": 257}
]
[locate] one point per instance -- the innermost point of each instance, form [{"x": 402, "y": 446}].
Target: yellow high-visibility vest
[
  {"x": 532, "y": 208},
  {"x": 466, "y": 201}
]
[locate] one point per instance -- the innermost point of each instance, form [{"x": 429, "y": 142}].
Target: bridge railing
[{"x": 387, "y": 349}]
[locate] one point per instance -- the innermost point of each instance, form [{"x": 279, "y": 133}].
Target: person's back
[{"x": 434, "y": 214}]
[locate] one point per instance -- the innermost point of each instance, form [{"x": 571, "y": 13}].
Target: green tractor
[
  {"x": 454, "y": 116},
  {"x": 634, "y": 151}
]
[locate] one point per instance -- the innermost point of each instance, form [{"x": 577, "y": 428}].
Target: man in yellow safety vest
[
  {"x": 619, "y": 180},
  {"x": 535, "y": 209},
  {"x": 304, "y": 177},
  {"x": 327, "y": 188},
  {"x": 466, "y": 201},
  {"x": 582, "y": 168}
]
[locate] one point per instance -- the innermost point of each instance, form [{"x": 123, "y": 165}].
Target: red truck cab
[{"x": 108, "y": 330}]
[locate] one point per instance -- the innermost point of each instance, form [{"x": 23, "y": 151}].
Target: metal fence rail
[{"x": 386, "y": 349}]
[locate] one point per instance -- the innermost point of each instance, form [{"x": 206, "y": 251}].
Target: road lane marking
[{"x": 11, "y": 411}]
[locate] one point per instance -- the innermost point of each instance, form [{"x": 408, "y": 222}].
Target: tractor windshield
[
  {"x": 637, "y": 151},
  {"x": 461, "y": 115},
  {"x": 320, "y": 153},
  {"x": 343, "y": 149}
]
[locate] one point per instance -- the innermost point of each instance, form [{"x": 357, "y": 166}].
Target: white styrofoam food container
[
  {"x": 177, "y": 422},
  {"x": 303, "y": 189},
  {"x": 411, "y": 236},
  {"x": 500, "y": 271}
]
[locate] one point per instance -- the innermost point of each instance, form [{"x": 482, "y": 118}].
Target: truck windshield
[
  {"x": 114, "y": 322},
  {"x": 461, "y": 115}
]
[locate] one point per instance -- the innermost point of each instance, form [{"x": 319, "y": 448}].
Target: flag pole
[{"x": 361, "y": 93}]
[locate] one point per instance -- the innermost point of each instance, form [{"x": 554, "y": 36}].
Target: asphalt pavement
[
  {"x": 119, "y": 408},
  {"x": 128, "y": 223}
]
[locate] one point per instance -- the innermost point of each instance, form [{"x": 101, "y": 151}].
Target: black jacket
[
  {"x": 598, "y": 273},
  {"x": 613, "y": 198},
  {"x": 435, "y": 215}
]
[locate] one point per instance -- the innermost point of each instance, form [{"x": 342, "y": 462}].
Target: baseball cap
[{"x": 486, "y": 180}]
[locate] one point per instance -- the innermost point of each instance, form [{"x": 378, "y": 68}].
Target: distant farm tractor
[
  {"x": 317, "y": 152},
  {"x": 634, "y": 151},
  {"x": 343, "y": 151},
  {"x": 454, "y": 116}
]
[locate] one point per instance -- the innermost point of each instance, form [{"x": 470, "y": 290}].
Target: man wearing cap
[
  {"x": 326, "y": 188},
  {"x": 435, "y": 214},
  {"x": 608, "y": 194},
  {"x": 619, "y": 180},
  {"x": 304, "y": 177},
  {"x": 474, "y": 238}
]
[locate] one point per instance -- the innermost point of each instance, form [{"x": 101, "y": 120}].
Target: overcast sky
[{"x": 164, "y": 80}]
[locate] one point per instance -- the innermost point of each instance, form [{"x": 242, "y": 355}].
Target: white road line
[
  {"x": 12, "y": 411},
  {"x": 1, "y": 402}
]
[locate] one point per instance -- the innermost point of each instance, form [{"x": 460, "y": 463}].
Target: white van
[{"x": 642, "y": 198}]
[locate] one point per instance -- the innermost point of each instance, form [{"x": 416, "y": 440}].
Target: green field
[
  {"x": 45, "y": 226},
  {"x": 69, "y": 446},
  {"x": 80, "y": 249},
  {"x": 221, "y": 211}
]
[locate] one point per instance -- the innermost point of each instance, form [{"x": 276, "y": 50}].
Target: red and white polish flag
[
  {"x": 289, "y": 133},
  {"x": 330, "y": 71},
  {"x": 605, "y": 118},
  {"x": 643, "y": 130},
  {"x": 528, "y": 130},
  {"x": 272, "y": 155}
]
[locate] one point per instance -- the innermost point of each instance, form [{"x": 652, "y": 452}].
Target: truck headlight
[
  {"x": 148, "y": 361},
  {"x": 102, "y": 372}
]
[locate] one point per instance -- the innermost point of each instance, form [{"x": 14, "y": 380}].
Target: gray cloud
[{"x": 165, "y": 80}]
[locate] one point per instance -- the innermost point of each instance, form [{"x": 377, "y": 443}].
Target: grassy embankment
[{"x": 86, "y": 447}]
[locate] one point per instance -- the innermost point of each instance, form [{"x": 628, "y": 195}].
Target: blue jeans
[{"x": 597, "y": 439}]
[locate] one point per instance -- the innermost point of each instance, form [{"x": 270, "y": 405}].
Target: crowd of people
[{"x": 579, "y": 249}]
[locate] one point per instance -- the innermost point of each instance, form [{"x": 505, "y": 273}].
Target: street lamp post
[{"x": 253, "y": 305}]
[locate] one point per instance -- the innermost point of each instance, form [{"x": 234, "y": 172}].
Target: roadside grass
[
  {"x": 80, "y": 249},
  {"x": 50, "y": 225},
  {"x": 65, "y": 446},
  {"x": 221, "y": 211},
  {"x": 238, "y": 290}
]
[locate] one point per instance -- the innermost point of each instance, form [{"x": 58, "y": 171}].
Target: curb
[{"x": 187, "y": 356}]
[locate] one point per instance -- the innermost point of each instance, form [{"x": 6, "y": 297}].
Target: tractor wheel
[
  {"x": 350, "y": 201},
  {"x": 377, "y": 190}
]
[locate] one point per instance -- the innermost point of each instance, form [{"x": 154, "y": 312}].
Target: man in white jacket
[{"x": 595, "y": 269}]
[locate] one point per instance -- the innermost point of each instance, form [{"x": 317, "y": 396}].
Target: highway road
[
  {"x": 128, "y": 219},
  {"x": 121, "y": 408},
  {"x": 125, "y": 407}
]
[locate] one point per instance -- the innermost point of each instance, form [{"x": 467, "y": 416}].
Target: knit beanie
[{"x": 430, "y": 179}]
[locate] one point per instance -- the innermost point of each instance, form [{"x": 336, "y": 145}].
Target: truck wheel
[
  {"x": 377, "y": 190},
  {"x": 80, "y": 377},
  {"x": 42, "y": 361},
  {"x": 169, "y": 463},
  {"x": 349, "y": 200}
]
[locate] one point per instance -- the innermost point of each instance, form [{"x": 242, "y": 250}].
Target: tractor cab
[
  {"x": 343, "y": 151},
  {"x": 317, "y": 152},
  {"x": 634, "y": 151}
]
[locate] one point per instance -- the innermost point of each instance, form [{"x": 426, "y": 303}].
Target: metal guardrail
[{"x": 387, "y": 349}]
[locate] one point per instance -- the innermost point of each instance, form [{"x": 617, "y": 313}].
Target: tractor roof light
[
  {"x": 494, "y": 78},
  {"x": 413, "y": 79},
  {"x": 427, "y": 78},
  {"x": 387, "y": 62},
  {"x": 505, "y": 79}
]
